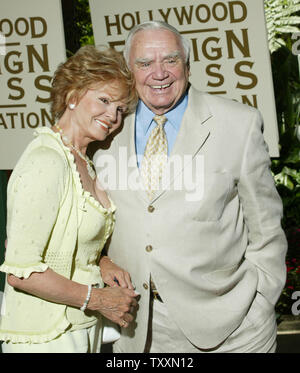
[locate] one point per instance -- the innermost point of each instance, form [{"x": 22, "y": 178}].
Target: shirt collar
[{"x": 145, "y": 116}]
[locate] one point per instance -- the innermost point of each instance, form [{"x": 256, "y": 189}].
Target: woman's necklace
[{"x": 89, "y": 163}]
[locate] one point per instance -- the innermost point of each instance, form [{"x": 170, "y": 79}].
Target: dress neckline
[{"x": 95, "y": 202}]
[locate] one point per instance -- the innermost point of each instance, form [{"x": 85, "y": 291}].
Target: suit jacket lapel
[
  {"x": 193, "y": 133},
  {"x": 129, "y": 141}
]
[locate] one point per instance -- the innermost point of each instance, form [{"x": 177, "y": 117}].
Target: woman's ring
[{"x": 124, "y": 323}]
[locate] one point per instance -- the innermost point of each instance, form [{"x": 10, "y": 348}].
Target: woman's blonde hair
[{"x": 85, "y": 69}]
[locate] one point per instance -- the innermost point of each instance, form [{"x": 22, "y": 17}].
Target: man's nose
[{"x": 160, "y": 71}]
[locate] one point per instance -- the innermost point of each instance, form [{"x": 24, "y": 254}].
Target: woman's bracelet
[{"x": 88, "y": 296}]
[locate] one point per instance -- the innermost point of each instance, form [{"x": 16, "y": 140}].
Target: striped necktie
[{"x": 155, "y": 157}]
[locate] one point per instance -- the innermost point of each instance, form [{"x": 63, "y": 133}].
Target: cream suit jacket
[{"x": 209, "y": 257}]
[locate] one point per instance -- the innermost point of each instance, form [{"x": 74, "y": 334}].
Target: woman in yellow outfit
[{"x": 59, "y": 217}]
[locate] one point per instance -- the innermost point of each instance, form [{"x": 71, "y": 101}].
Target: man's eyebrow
[
  {"x": 142, "y": 60},
  {"x": 175, "y": 54}
]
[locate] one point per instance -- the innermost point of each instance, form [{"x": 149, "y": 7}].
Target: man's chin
[{"x": 161, "y": 107}]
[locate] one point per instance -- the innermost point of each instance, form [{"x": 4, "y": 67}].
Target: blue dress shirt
[{"x": 144, "y": 125}]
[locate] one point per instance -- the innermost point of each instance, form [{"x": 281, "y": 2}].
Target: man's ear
[{"x": 188, "y": 68}]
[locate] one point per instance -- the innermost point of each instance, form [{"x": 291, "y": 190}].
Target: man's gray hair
[{"x": 156, "y": 25}]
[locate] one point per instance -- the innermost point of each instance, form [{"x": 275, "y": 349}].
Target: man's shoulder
[{"x": 220, "y": 104}]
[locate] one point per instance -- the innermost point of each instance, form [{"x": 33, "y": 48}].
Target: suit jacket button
[
  {"x": 151, "y": 208},
  {"x": 149, "y": 248},
  {"x": 145, "y": 286}
]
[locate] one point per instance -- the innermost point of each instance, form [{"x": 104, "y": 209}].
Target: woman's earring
[{"x": 71, "y": 106}]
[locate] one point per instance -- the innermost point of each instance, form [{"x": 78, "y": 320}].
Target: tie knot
[{"x": 160, "y": 119}]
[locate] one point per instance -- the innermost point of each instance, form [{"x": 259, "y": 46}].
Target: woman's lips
[{"x": 103, "y": 124}]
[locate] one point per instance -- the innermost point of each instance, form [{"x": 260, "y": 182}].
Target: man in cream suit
[{"x": 206, "y": 251}]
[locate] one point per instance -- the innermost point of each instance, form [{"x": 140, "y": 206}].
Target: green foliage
[
  {"x": 280, "y": 19},
  {"x": 286, "y": 169},
  {"x": 77, "y": 25},
  {"x": 281, "y": 22},
  {"x": 284, "y": 305},
  {"x": 83, "y": 22},
  {"x": 3, "y": 185}
]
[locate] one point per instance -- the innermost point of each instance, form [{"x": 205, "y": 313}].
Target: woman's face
[{"x": 99, "y": 112}]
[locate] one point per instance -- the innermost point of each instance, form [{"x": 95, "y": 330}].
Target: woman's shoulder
[
  {"x": 44, "y": 155},
  {"x": 45, "y": 148},
  {"x": 48, "y": 140}
]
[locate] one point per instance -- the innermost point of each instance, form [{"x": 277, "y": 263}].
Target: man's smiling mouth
[{"x": 160, "y": 86}]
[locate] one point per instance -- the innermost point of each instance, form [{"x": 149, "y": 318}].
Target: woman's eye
[
  {"x": 104, "y": 100},
  {"x": 121, "y": 110}
]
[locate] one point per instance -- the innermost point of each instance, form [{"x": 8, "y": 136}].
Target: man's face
[{"x": 157, "y": 62}]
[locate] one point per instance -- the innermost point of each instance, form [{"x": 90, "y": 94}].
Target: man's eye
[
  {"x": 144, "y": 65},
  {"x": 172, "y": 61}
]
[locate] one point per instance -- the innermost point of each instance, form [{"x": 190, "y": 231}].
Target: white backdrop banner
[
  {"x": 31, "y": 47},
  {"x": 229, "y": 48}
]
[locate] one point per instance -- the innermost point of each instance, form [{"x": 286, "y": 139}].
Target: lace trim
[{"x": 23, "y": 271}]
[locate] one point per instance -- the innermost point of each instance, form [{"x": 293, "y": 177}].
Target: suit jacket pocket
[
  {"x": 219, "y": 276},
  {"x": 261, "y": 310},
  {"x": 223, "y": 281},
  {"x": 216, "y": 187}
]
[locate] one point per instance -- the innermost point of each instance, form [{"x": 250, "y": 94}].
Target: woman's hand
[
  {"x": 113, "y": 275},
  {"x": 115, "y": 303}
]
